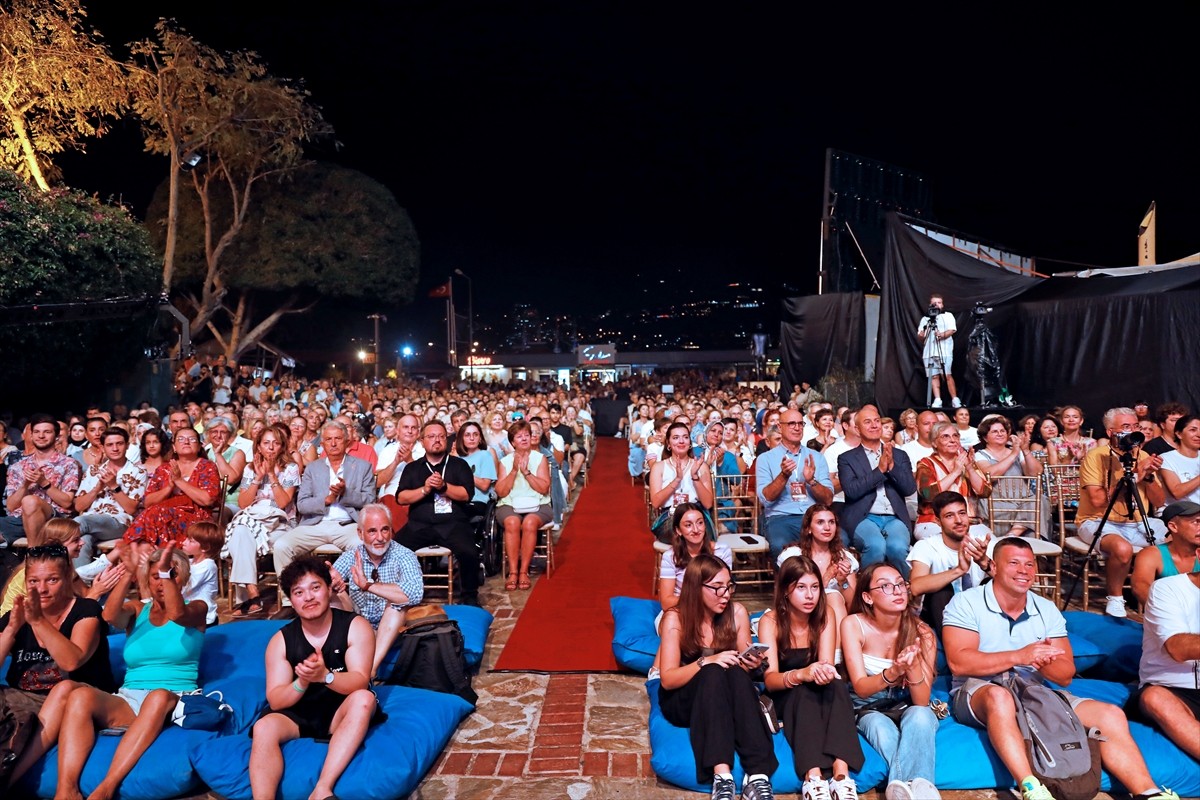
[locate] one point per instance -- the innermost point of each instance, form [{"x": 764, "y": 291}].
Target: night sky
[{"x": 568, "y": 153}]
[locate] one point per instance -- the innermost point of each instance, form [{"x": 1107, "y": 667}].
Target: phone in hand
[{"x": 755, "y": 649}]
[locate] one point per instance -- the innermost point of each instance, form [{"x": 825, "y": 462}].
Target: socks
[
  {"x": 726, "y": 775},
  {"x": 756, "y": 776}
]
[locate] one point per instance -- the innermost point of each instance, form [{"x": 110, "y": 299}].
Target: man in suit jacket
[
  {"x": 332, "y": 492},
  {"x": 876, "y": 478}
]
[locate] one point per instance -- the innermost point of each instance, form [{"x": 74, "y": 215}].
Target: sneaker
[
  {"x": 924, "y": 790},
  {"x": 1035, "y": 791},
  {"x": 758, "y": 788},
  {"x": 723, "y": 788},
  {"x": 898, "y": 790},
  {"x": 1162, "y": 794},
  {"x": 815, "y": 790},
  {"x": 937, "y": 403},
  {"x": 845, "y": 789},
  {"x": 1115, "y": 607},
  {"x": 956, "y": 403}
]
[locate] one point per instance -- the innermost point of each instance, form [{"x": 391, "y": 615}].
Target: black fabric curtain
[
  {"x": 1097, "y": 342},
  {"x": 818, "y": 332}
]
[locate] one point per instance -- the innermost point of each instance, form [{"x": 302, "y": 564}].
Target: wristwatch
[
  {"x": 328, "y": 678},
  {"x": 700, "y": 662}
]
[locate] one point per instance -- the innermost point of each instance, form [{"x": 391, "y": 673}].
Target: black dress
[
  {"x": 720, "y": 709},
  {"x": 818, "y": 720}
]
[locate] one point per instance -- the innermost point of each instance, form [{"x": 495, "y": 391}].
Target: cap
[{"x": 1180, "y": 508}]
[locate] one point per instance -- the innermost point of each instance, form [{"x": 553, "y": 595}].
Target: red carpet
[{"x": 605, "y": 551}]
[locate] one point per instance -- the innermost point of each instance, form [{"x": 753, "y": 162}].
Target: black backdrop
[{"x": 817, "y": 332}]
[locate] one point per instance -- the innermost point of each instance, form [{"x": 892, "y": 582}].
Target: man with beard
[
  {"x": 40, "y": 486},
  {"x": 947, "y": 564},
  {"x": 437, "y": 489},
  {"x": 379, "y": 579}
]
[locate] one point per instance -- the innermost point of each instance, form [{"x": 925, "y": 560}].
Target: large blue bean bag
[
  {"x": 635, "y": 642},
  {"x": 391, "y": 762},
  {"x": 672, "y": 759},
  {"x": 1121, "y": 640}
]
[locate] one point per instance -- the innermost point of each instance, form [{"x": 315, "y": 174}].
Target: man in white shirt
[
  {"x": 936, "y": 333},
  {"x": 108, "y": 495},
  {"x": 398, "y": 447},
  {"x": 942, "y": 566},
  {"x": 1170, "y": 668}
]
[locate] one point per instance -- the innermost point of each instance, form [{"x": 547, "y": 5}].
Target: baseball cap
[{"x": 1180, "y": 508}]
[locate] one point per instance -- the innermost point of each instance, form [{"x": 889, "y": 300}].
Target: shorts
[
  {"x": 1132, "y": 532},
  {"x": 134, "y": 697},
  {"x": 938, "y": 366},
  {"x": 1189, "y": 697},
  {"x": 960, "y": 701},
  {"x": 543, "y": 513}
]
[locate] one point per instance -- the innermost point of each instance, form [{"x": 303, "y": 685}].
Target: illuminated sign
[
  {"x": 591, "y": 354},
  {"x": 479, "y": 361}
]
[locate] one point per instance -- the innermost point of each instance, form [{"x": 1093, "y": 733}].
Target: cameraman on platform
[
  {"x": 936, "y": 332},
  {"x": 1100, "y": 476}
]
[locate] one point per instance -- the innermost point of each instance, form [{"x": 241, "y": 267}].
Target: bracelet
[
  {"x": 916, "y": 683},
  {"x": 296, "y": 686},
  {"x": 883, "y": 674},
  {"x": 787, "y": 679}
]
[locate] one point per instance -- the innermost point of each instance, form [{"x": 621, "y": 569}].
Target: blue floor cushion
[
  {"x": 635, "y": 642},
  {"x": 390, "y": 764},
  {"x": 1121, "y": 640}
]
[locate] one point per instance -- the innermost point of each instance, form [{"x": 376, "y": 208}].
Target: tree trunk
[
  {"x": 172, "y": 223},
  {"x": 17, "y": 119}
]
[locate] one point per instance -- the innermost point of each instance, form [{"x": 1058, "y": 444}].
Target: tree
[
  {"x": 322, "y": 231},
  {"x": 233, "y": 125},
  {"x": 58, "y": 83},
  {"x": 62, "y": 247}
]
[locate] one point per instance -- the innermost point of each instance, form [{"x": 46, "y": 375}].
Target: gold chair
[
  {"x": 432, "y": 573},
  {"x": 1018, "y": 500}
]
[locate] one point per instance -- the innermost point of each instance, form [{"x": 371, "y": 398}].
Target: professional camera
[
  {"x": 933, "y": 311},
  {"x": 980, "y": 309},
  {"x": 1126, "y": 441}
]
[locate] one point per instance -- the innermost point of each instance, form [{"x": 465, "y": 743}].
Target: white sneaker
[
  {"x": 954, "y": 401},
  {"x": 1115, "y": 607},
  {"x": 814, "y": 790},
  {"x": 899, "y": 790},
  {"x": 845, "y": 789},
  {"x": 924, "y": 790},
  {"x": 937, "y": 403}
]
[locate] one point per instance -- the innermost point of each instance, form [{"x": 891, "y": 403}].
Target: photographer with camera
[
  {"x": 936, "y": 333},
  {"x": 1101, "y": 478}
]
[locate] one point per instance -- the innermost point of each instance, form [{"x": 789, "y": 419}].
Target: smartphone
[{"x": 757, "y": 648}]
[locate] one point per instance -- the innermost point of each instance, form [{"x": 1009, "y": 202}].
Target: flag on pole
[
  {"x": 1146, "y": 255},
  {"x": 442, "y": 290}
]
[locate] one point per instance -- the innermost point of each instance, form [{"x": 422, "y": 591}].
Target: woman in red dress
[{"x": 181, "y": 491}]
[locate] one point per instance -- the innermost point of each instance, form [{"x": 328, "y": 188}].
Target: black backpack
[
  {"x": 1064, "y": 755},
  {"x": 431, "y": 656}
]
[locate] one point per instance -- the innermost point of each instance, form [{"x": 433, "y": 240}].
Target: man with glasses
[
  {"x": 1100, "y": 475},
  {"x": 437, "y": 489},
  {"x": 1002, "y": 626},
  {"x": 379, "y": 579},
  {"x": 40, "y": 486},
  {"x": 790, "y": 478}
]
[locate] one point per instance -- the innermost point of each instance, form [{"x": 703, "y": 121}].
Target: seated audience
[
  {"x": 65, "y": 533},
  {"x": 1179, "y": 555},
  {"x": 968, "y": 435},
  {"x": 956, "y": 559},
  {"x": 1002, "y": 626},
  {"x": 1123, "y": 535},
  {"x": 882, "y": 636},
  {"x": 180, "y": 492},
  {"x": 950, "y": 468},
  {"x": 318, "y": 682},
  {"x": 56, "y": 641},
  {"x": 677, "y": 478},
  {"x": 821, "y": 541},
  {"x": 789, "y": 479},
  {"x": 40, "y": 486},
  {"x": 109, "y": 494},
  {"x": 810, "y": 697},
  {"x": 1167, "y": 417},
  {"x": 155, "y": 450},
  {"x": 1070, "y": 446},
  {"x": 202, "y": 545},
  {"x": 523, "y": 487},
  {"x": 1181, "y": 466},
  {"x": 1006, "y": 454},
  {"x": 226, "y": 456},
  {"x": 690, "y": 540},
  {"x": 706, "y": 685},
  {"x": 162, "y": 659},
  {"x": 1170, "y": 687},
  {"x": 378, "y": 579}
]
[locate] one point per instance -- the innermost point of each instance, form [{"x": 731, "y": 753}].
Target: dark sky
[{"x": 555, "y": 151}]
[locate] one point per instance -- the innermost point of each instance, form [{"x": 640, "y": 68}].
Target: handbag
[
  {"x": 770, "y": 718},
  {"x": 202, "y": 712},
  {"x": 891, "y": 707}
]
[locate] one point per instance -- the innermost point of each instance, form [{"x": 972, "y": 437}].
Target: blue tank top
[
  {"x": 1168, "y": 563},
  {"x": 163, "y": 656}
]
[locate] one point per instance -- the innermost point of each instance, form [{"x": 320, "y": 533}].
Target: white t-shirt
[
  {"x": 831, "y": 454},
  {"x": 915, "y": 452},
  {"x": 667, "y": 570},
  {"x": 202, "y": 585},
  {"x": 940, "y": 558},
  {"x": 935, "y": 347},
  {"x": 1185, "y": 469},
  {"x": 1173, "y": 607}
]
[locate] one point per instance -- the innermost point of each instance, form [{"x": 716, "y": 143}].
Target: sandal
[
  {"x": 511, "y": 583},
  {"x": 250, "y": 608},
  {"x": 524, "y": 583}
]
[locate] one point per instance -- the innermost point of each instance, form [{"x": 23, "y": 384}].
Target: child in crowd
[{"x": 202, "y": 543}]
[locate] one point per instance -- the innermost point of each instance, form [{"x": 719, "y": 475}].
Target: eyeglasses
[
  {"x": 900, "y": 587},
  {"x": 53, "y": 550},
  {"x": 794, "y": 424},
  {"x": 720, "y": 589}
]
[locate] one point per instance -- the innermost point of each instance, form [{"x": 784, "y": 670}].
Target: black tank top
[{"x": 320, "y": 698}]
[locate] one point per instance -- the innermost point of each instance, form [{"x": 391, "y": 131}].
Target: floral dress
[{"x": 164, "y": 523}]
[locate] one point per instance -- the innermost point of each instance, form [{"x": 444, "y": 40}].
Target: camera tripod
[{"x": 1127, "y": 487}]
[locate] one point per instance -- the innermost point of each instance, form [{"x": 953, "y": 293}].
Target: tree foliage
[
  {"x": 322, "y": 231},
  {"x": 65, "y": 247},
  {"x": 58, "y": 84},
  {"x": 238, "y": 122}
]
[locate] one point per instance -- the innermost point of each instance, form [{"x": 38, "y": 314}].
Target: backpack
[
  {"x": 16, "y": 724},
  {"x": 1064, "y": 755},
  {"x": 431, "y": 654}
]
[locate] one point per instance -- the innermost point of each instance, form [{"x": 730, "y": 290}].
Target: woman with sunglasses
[
  {"x": 162, "y": 659},
  {"x": 811, "y": 698},
  {"x": 57, "y": 641},
  {"x": 706, "y": 684},
  {"x": 180, "y": 492},
  {"x": 889, "y": 656}
]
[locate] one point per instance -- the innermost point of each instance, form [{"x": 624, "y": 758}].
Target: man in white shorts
[{"x": 936, "y": 334}]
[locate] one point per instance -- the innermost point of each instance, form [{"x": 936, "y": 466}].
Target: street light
[
  {"x": 406, "y": 352},
  {"x": 470, "y": 319},
  {"x": 377, "y": 318}
]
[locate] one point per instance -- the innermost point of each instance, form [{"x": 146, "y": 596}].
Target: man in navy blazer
[
  {"x": 332, "y": 491},
  {"x": 876, "y": 478}
]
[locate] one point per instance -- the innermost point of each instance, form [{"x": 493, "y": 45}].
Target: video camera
[{"x": 980, "y": 309}]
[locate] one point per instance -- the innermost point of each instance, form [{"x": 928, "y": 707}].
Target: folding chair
[{"x": 1018, "y": 500}]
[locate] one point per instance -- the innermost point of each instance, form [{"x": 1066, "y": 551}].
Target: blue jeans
[
  {"x": 878, "y": 538},
  {"x": 909, "y": 749},
  {"x": 782, "y": 530},
  {"x": 637, "y": 461}
]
